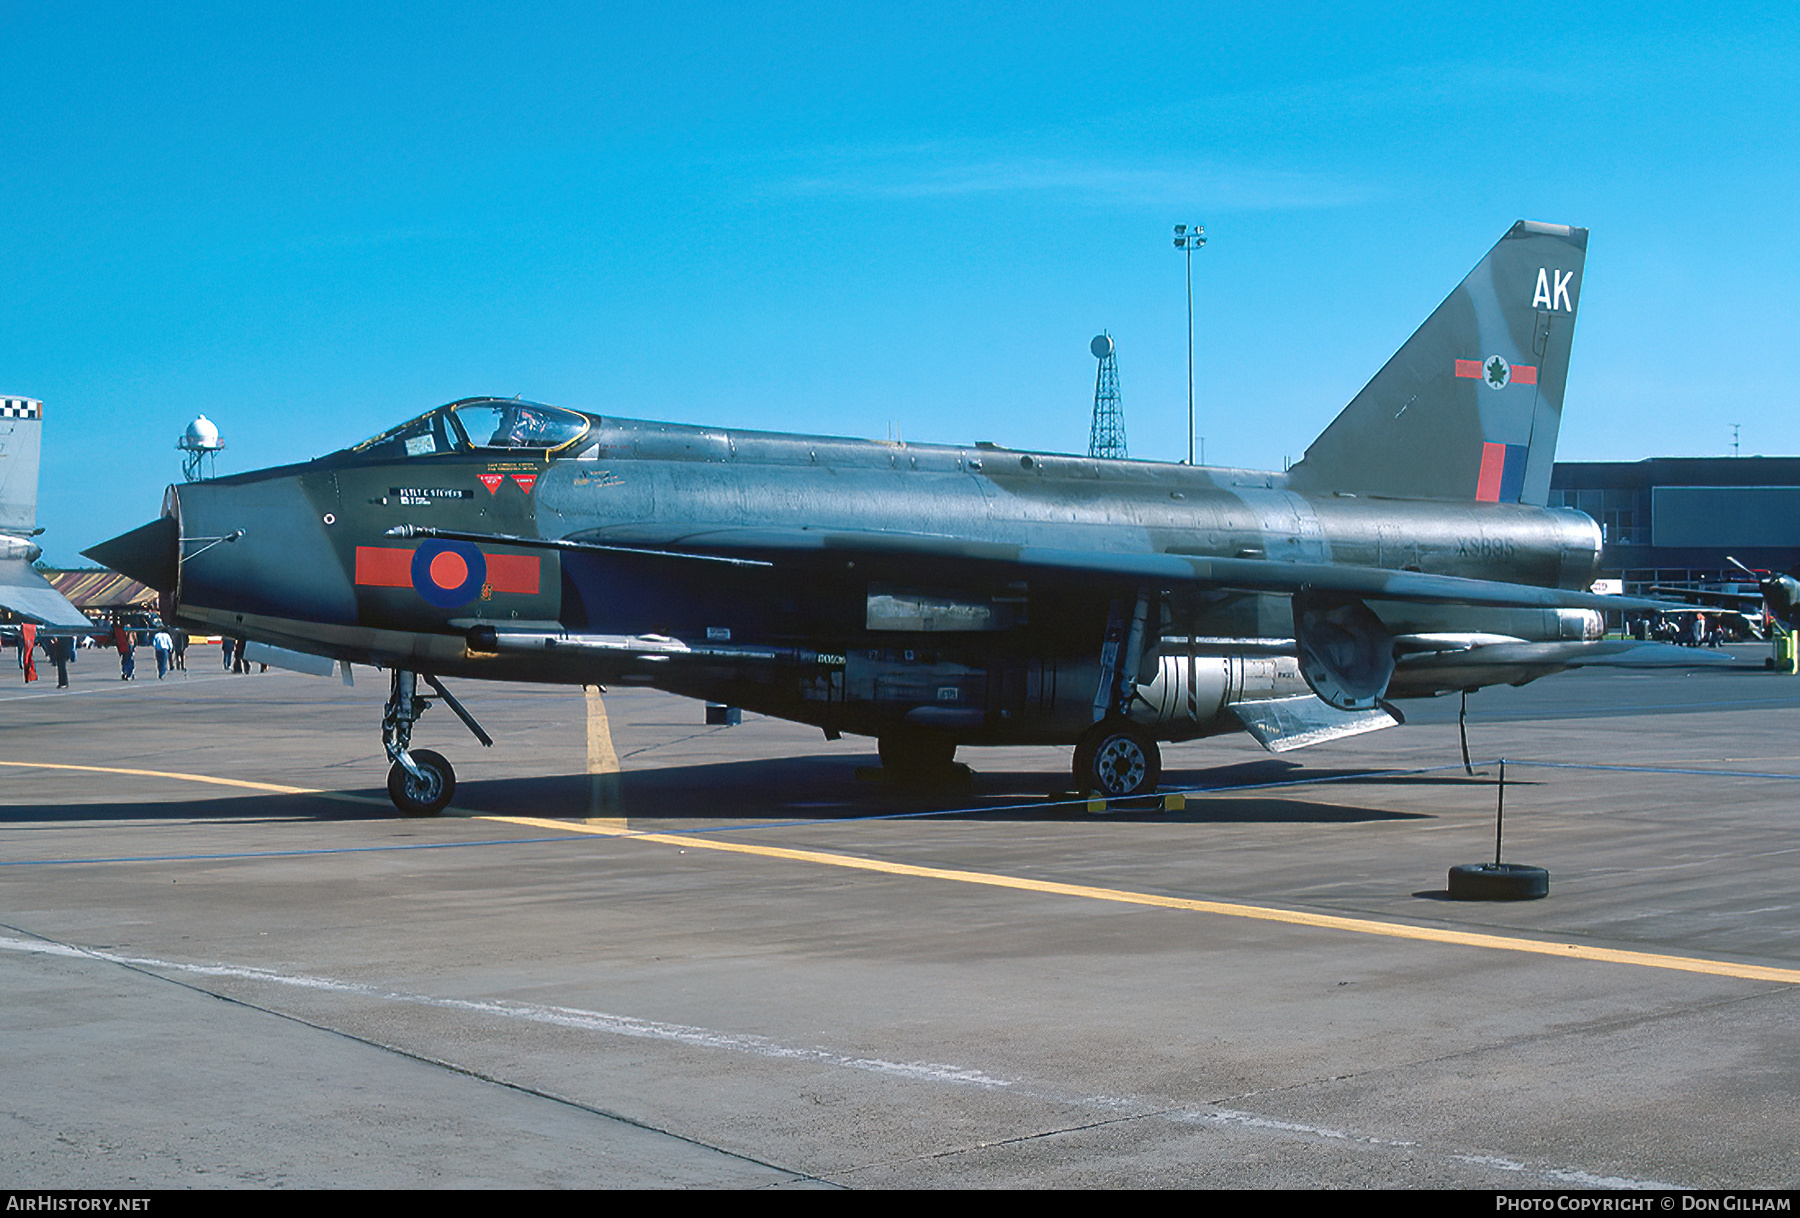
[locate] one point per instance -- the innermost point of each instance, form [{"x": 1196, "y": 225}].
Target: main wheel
[
  {"x": 1116, "y": 758},
  {"x": 425, "y": 795}
]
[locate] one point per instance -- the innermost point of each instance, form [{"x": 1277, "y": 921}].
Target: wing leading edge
[{"x": 30, "y": 595}]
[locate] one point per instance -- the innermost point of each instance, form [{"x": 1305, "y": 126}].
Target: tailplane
[{"x": 1469, "y": 408}]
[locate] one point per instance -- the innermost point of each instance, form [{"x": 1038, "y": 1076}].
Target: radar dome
[{"x": 202, "y": 435}]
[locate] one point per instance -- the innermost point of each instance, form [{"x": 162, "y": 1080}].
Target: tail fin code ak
[{"x": 1470, "y": 406}]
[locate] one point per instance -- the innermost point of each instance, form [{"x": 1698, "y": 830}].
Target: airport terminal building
[{"x": 1673, "y": 520}]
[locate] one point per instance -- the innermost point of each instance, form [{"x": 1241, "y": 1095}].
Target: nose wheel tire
[
  {"x": 427, "y": 793},
  {"x": 1117, "y": 759}
]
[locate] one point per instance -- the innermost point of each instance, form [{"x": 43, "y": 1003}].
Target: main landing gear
[
  {"x": 420, "y": 781},
  {"x": 1117, "y": 759}
]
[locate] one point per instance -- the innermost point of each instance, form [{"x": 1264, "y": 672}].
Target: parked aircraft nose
[
  {"x": 263, "y": 544},
  {"x": 1783, "y": 596},
  {"x": 148, "y": 554}
]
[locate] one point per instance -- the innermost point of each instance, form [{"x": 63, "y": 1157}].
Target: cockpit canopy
[{"x": 480, "y": 424}]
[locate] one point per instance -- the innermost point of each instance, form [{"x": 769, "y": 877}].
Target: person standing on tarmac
[
  {"x": 165, "y": 648},
  {"x": 27, "y": 646},
  {"x": 122, "y": 640}
]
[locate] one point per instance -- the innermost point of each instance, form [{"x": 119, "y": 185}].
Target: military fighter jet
[
  {"x": 933, "y": 596},
  {"x": 1761, "y": 596},
  {"x": 22, "y": 590}
]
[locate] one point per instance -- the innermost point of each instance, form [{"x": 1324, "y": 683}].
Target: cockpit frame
[{"x": 515, "y": 426}]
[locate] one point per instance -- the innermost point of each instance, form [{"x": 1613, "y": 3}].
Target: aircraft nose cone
[
  {"x": 1783, "y": 596},
  {"x": 146, "y": 554}
]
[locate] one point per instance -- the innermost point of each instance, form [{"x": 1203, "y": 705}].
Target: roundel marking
[
  {"x": 449, "y": 570},
  {"x": 448, "y": 574},
  {"x": 1496, "y": 371}
]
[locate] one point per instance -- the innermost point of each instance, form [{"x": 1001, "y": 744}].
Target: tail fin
[
  {"x": 21, "y": 427},
  {"x": 1469, "y": 407},
  {"x": 22, "y": 590}
]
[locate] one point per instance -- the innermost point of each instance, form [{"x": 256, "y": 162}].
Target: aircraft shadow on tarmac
[
  {"x": 806, "y": 788},
  {"x": 241, "y": 809},
  {"x": 814, "y": 789}
]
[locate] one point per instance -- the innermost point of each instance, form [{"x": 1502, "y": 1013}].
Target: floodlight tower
[
  {"x": 1106, "y": 438},
  {"x": 1189, "y": 238},
  {"x": 199, "y": 445}
]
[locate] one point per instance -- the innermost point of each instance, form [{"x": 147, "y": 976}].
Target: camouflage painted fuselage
[
  {"x": 836, "y": 632},
  {"x": 976, "y": 594}
]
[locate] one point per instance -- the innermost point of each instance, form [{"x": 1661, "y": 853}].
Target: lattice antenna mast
[{"x": 1106, "y": 438}]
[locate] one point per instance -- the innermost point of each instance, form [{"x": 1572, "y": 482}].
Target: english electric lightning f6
[{"x": 932, "y": 596}]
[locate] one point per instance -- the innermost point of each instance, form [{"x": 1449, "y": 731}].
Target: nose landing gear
[
  {"x": 420, "y": 782},
  {"x": 427, "y": 788}
]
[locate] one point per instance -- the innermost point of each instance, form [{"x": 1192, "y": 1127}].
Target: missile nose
[{"x": 147, "y": 554}]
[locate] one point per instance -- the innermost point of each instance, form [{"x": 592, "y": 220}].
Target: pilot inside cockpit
[
  {"x": 523, "y": 427},
  {"x": 497, "y": 423},
  {"x": 504, "y": 423}
]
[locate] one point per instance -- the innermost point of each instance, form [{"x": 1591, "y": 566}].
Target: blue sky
[{"x": 309, "y": 224}]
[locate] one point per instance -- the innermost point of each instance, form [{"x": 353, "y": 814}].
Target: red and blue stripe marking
[
  {"x": 1502, "y": 474},
  {"x": 448, "y": 574}
]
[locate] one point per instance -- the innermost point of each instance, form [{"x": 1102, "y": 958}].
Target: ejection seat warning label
[{"x": 424, "y": 496}]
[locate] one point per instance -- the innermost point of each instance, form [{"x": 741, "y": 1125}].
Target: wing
[{"x": 30, "y": 595}]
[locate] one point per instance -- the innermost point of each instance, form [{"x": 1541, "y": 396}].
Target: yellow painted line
[
  {"x": 270, "y": 787},
  {"x": 603, "y": 829},
  {"x": 615, "y": 827},
  {"x": 1364, "y": 926},
  {"x": 602, "y": 766},
  {"x": 602, "y": 758}
]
